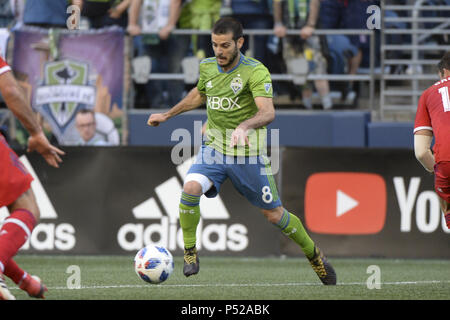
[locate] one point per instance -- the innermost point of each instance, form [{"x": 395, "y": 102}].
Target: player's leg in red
[
  {"x": 15, "y": 231},
  {"x": 442, "y": 188},
  {"x": 14, "y": 272},
  {"x": 28, "y": 283}
]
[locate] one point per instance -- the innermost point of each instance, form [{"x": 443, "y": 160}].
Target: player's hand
[
  {"x": 239, "y": 137},
  {"x": 38, "y": 142},
  {"x": 155, "y": 119},
  {"x": 134, "y": 30},
  {"x": 306, "y": 32}
]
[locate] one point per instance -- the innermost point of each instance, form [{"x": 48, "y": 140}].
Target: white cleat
[{"x": 4, "y": 292}]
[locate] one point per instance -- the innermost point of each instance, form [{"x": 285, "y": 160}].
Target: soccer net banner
[{"x": 353, "y": 203}]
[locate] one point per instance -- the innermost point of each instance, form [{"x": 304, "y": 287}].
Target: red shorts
[
  {"x": 14, "y": 177},
  {"x": 442, "y": 180}
]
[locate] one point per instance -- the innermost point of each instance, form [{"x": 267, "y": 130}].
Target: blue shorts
[{"x": 251, "y": 176}]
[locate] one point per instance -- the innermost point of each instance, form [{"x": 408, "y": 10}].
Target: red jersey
[
  {"x": 433, "y": 113},
  {"x": 3, "y": 66}
]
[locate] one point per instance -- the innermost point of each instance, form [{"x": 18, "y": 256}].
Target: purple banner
[{"x": 65, "y": 71}]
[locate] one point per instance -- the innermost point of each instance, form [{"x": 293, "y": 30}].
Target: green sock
[
  {"x": 292, "y": 227},
  {"x": 189, "y": 218}
]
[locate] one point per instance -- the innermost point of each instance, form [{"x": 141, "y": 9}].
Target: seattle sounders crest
[
  {"x": 236, "y": 85},
  {"x": 64, "y": 90}
]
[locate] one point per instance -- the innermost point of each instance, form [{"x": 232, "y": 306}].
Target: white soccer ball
[{"x": 153, "y": 264}]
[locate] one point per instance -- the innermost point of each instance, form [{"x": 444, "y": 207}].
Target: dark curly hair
[
  {"x": 444, "y": 63},
  {"x": 226, "y": 25}
]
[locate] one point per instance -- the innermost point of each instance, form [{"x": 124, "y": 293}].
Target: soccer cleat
[
  {"x": 4, "y": 292},
  {"x": 33, "y": 286},
  {"x": 191, "y": 262},
  {"x": 323, "y": 268}
]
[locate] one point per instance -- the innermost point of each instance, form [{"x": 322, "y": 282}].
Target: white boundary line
[{"x": 300, "y": 284}]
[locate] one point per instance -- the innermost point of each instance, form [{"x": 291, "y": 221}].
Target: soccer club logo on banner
[{"x": 64, "y": 90}]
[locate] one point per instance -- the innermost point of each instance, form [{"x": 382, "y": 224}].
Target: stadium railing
[
  {"x": 370, "y": 77},
  {"x": 399, "y": 93}
]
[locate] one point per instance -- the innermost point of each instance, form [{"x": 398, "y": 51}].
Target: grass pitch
[{"x": 220, "y": 278}]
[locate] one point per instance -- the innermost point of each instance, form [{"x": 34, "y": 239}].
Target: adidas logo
[
  {"x": 213, "y": 237},
  {"x": 57, "y": 236},
  {"x": 209, "y": 84}
]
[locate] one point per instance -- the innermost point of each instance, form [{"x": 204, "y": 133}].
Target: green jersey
[{"x": 230, "y": 101}]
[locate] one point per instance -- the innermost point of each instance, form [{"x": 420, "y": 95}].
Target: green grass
[{"x": 113, "y": 278}]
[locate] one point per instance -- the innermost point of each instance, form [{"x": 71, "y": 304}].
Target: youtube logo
[{"x": 345, "y": 203}]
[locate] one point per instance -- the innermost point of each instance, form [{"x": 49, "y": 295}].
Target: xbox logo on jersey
[
  {"x": 163, "y": 229},
  {"x": 223, "y": 103}
]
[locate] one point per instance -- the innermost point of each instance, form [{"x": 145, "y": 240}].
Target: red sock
[
  {"x": 13, "y": 271},
  {"x": 447, "y": 219},
  {"x": 16, "y": 229}
]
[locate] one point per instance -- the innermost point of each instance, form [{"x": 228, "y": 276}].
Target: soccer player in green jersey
[{"x": 237, "y": 91}]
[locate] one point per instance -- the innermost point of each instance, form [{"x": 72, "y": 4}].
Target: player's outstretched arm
[
  {"x": 264, "y": 116},
  {"x": 193, "y": 100},
  {"x": 16, "y": 102}
]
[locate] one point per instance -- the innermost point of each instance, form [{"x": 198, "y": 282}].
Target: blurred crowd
[{"x": 151, "y": 24}]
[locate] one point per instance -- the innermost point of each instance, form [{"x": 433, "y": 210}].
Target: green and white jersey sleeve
[{"x": 230, "y": 101}]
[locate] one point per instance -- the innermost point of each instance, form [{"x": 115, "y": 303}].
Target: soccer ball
[{"x": 153, "y": 264}]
